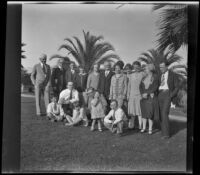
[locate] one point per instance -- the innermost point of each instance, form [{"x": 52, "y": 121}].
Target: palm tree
[
  {"x": 66, "y": 59},
  {"x": 173, "y": 26},
  {"x": 156, "y": 57},
  {"x": 22, "y": 56},
  {"x": 91, "y": 52}
]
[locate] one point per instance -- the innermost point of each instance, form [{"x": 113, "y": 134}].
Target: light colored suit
[{"x": 41, "y": 81}]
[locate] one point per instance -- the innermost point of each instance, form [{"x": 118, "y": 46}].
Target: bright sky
[{"x": 130, "y": 29}]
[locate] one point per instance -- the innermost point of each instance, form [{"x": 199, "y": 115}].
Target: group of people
[{"x": 109, "y": 97}]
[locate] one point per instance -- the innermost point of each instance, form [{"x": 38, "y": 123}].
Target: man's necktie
[
  {"x": 70, "y": 97},
  {"x": 44, "y": 68},
  {"x": 162, "y": 79},
  {"x": 113, "y": 115},
  {"x": 106, "y": 73}
]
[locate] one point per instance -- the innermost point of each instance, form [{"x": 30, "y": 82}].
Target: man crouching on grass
[
  {"x": 54, "y": 110},
  {"x": 115, "y": 119}
]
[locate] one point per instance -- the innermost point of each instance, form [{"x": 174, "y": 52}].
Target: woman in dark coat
[{"x": 149, "y": 102}]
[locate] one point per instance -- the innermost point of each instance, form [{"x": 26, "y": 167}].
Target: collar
[{"x": 120, "y": 75}]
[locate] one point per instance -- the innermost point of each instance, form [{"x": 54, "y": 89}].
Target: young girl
[
  {"x": 97, "y": 110},
  {"x": 54, "y": 110},
  {"x": 78, "y": 115}
]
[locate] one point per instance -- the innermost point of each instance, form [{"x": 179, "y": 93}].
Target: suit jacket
[
  {"x": 81, "y": 82},
  {"x": 39, "y": 77},
  {"x": 173, "y": 83},
  {"x": 58, "y": 79},
  {"x": 69, "y": 77},
  {"x": 104, "y": 83}
]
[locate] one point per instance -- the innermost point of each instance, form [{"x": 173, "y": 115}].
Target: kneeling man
[
  {"x": 67, "y": 98},
  {"x": 115, "y": 119}
]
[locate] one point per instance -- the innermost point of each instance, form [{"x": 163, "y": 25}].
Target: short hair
[
  {"x": 114, "y": 101},
  {"x": 96, "y": 64},
  {"x": 72, "y": 62},
  {"x": 70, "y": 82},
  {"x": 129, "y": 66},
  {"x": 165, "y": 62},
  {"x": 136, "y": 63},
  {"x": 54, "y": 96},
  {"x": 120, "y": 64},
  {"x": 42, "y": 56}
]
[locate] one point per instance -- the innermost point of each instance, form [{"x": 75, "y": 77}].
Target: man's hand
[
  {"x": 152, "y": 95},
  {"x": 144, "y": 95}
]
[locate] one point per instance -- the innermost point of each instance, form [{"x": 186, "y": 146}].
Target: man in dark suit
[
  {"x": 104, "y": 82},
  {"x": 40, "y": 78},
  {"x": 58, "y": 78},
  {"x": 168, "y": 89},
  {"x": 71, "y": 75}
]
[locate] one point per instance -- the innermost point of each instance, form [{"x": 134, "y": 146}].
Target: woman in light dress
[
  {"x": 118, "y": 86},
  {"x": 134, "y": 95}
]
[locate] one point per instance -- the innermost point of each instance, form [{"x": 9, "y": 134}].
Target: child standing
[
  {"x": 97, "y": 111},
  {"x": 54, "y": 110}
]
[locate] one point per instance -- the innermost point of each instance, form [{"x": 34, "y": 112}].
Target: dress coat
[{"x": 104, "y": 83}]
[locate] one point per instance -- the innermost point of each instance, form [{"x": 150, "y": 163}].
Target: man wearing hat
[{"x": 40, "y": 78}]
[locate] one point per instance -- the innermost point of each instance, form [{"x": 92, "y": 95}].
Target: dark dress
[{"x": 149, "y": 105}]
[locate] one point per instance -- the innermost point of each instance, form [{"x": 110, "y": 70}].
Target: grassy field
[{"x": 47, "y": 146}]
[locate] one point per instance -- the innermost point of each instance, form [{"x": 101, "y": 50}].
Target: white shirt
[
  {"x": 41, "y": 64},
  {"x": 119, "y": 116},
  {"x": 57, "y": 111},
  {"x": 65, "y": 94},
  {"x": 165, "y": 85},
  {"x": 107, "y": 72},
  {"x": 72, "y": 71}
]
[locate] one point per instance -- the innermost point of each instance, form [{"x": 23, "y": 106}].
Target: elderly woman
[
  {"x": 134, "y": 95},
  {"x": 118, "y": 86},
  {"x": 93, "y": 78},
  {"x": 149, "y": 102}
]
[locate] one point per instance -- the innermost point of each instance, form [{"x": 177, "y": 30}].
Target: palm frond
[
  {"x": 23, "y": 44},
  {"x": 71, "y": 42},
  {"x": 105, "y": 58},
  {"x": 158, "y": 6},
  {"x": 66, "y": 58},
  {"x": 144, "y": 59},
  {"x": 173, "y": 58},
  {"x": 23, "y": 56},
  {"x": 172, "y": 28}
]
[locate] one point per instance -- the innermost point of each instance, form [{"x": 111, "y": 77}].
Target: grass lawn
[{"x": 47, "y": 146}]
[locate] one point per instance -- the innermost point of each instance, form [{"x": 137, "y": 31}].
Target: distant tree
[
  {"x": 22, "y": 51},
  {"x": 91, "y": 51}
]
